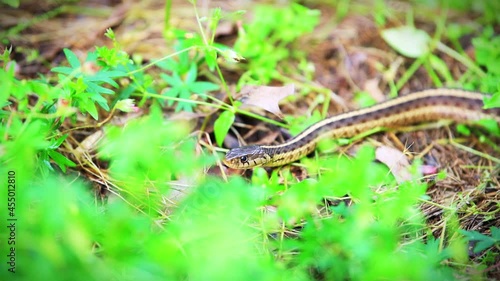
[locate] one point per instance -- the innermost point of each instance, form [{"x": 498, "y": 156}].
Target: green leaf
[
  {"x": 222, "y": 126},
  {"x": 173, "y": 80},
  {"x": 106, "y": 77},
  {"x": 407, "y": 40},
  {"x": 186, "y": 106},
  {"x": 484, "y": 241},
  {"x": 170, "y": 65},
  {"x": 483, "y": 245},
  {"x": 463, "y": 129},
  {"x": 62, "y": 69},
  {"x": 364, "y": 99},
  {"x": 72, "y": 58},
  {"x": 473, "y": 235},
  {"x": 487, "y": 53},
  {"x": 211, "y": 59},
  {"x": 61, "y": 160},
  {"x": 184, "y": 93},
  {"x": 215, "y": 18},
  {"x": 201, "y": 88},
  {"x": 192, "y": 74},
  {"x": 57, "y": 142},
  {"x": 265, "y": 41},
  {"x": 6, "y": 84},
  {"x": 91, "y": 57},
  {"x": 455, "y": 31},
  {"x": 12, "y": 3},
  {"x": 495, "y": 233},
  {"x": 94, "y": 88},
  {"x": 86, "y": 105},
  {"x": 174, "y": 92},
  {"x": 493, "y": 101},
  {"x": 100, "y": 100},
  {"x": 490, "y": 125}
]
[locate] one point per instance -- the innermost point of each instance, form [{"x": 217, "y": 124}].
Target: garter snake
[{"x": 424, "y": 106}]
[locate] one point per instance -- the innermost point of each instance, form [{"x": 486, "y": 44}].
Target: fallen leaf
[
  {"x": 396, "y": 161},
  {"x": 225, "y": 28},
  {"x": 89, "y": 143},
  {"x": 371, "y": 87},
  {"x": 266, "y": 97},
  {"x": 179, "y": 189},
  {"x": 407, "y": 40}
]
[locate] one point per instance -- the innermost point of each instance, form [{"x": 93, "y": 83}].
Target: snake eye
[{"x": 243, "y": 159}]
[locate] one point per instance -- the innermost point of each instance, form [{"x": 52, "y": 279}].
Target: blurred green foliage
[
  {"x": 220, "y": 232},
  {"x": 265, "y": 42}
]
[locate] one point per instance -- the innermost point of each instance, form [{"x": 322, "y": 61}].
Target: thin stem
[
  {"x": 199, "y": 24},
  {"x": 409, "y": 73},
  {"x": 475, "y": 152},
  {"x": 434, "y": 77},
  {"x": 222, "y": 106},
  {"x": 166, "y": 27},
  {"x": 162, "y": 59},
  {"x": 461, "y": 58},
  {"x": 224, "y": 84},
  {"x": 98, "y": 125}
]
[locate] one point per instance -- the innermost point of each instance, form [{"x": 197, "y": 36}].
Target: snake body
[{"x": 424, "y": 106}]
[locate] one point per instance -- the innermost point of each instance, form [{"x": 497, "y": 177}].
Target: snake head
[{"x": 246, "y": 157}]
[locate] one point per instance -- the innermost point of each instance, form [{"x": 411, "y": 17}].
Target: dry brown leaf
[
  {"x": 89, "y": 143},
  {"x": 178, "y": 191},
  {"x": 371, "y": 87},
  {"x": 266, "y": 97},
  {"x": 225, "y": 28},
  {"x": 397, "y": 162}
]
